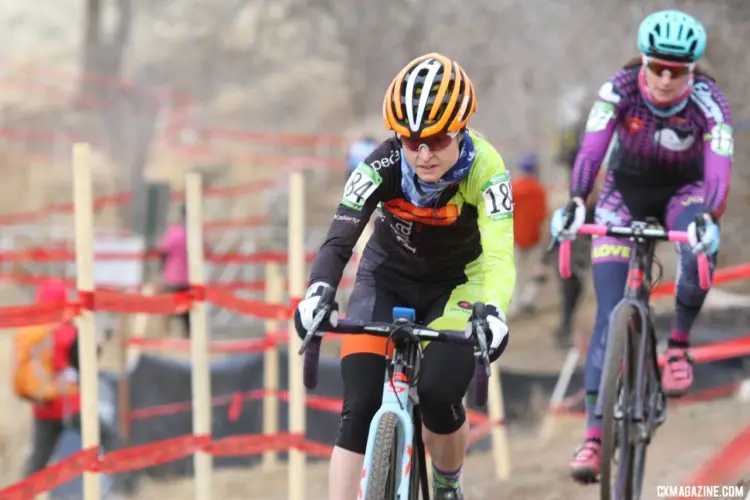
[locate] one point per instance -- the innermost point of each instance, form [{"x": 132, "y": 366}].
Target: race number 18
[{"x": 498, "y": 198}]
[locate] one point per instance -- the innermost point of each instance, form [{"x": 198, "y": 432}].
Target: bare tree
[
  {"x": 376, "y": 38},
  {"x": 103, "y": 48}
]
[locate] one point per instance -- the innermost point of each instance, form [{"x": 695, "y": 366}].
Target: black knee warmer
[
  {"x": 441, "y": 417},
  {"x": 363, "y": 375}
]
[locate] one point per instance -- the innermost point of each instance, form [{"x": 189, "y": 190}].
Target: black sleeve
[
  {"x": 337, "y": 249},
  {"x": 372, "y": 180}
]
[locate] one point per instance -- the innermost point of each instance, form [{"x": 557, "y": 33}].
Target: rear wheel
[
  {"x": 618, "y": 390},
  {"x": 385, "y": 467}
]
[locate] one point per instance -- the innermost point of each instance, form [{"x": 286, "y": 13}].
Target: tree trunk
[{"x": 104, "y": 53}]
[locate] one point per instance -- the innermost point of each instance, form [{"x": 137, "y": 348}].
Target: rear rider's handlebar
[{"x": 625, "y": 232}]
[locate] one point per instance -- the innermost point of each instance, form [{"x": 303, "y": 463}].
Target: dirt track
[{"x": 539, "y": 469}]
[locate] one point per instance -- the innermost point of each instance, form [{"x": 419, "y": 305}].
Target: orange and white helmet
[{"x": 431, "y": 95}]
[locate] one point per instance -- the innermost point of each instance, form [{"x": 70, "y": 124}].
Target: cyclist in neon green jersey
[{"x": 443, "y": 242}]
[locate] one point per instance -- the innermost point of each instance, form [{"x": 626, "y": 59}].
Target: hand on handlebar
[
  {"x": 566, "y": 221},
  {"x": 319, "y": 299},
  {"x": 703, "y": 234},
  {"x": 490, "y": 321}
]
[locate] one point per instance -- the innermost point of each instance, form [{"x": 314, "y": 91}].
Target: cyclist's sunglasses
[
  {"x": 436, "y": 142},
  {"x": 675, "y": 69}
]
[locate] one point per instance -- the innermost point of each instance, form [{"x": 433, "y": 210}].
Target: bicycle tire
[
  {"x": 656, "y": 403},
  {"x": 384, "y": 466},
  {"x": 639, "y": 468},
  {"x": 620, "y": 360}
]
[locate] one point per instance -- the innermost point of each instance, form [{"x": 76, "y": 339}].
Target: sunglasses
[
  {"x": 676, "y": 70},
  {"x": 434, "y": 142}
]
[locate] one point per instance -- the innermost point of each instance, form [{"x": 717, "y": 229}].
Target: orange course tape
[{"x": 727, "y": 464}]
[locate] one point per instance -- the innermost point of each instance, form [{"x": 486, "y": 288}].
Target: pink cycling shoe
[
  {"x": 677, "y": 375},
  {"x": 585, "y": 464}
]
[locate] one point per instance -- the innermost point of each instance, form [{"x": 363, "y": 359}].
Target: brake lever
[
  {"x": 311, "y": 333},
  {"x": 700, "y": 231},
  {"x": 481, "y": 337},
  {"x": 553, "y": 242}
]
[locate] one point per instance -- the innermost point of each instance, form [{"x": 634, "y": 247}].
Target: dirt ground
[{"x": 539, "y": 467}]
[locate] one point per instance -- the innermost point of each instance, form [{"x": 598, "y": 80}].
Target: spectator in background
[
  {"x": 569, "y": 143},
  {"x": 358, "y": 151},
  {"x": 529, "y": 215},
  {"x": 173, "y": 264},
  {"x": 46, "y": 374},
  {"x": 61, "y": 405}
]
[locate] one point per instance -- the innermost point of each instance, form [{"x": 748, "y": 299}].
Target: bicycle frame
[
  {"x": 400, "y": 399},
  {"x": 637, "y": 296},
  {"x": 400, "y": 396},
  {"x": 642, "y": 409}
]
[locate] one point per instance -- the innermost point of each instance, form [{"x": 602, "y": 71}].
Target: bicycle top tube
[
  {"x": 409, "y": 329},
  {"x": 637, "y": 230}
]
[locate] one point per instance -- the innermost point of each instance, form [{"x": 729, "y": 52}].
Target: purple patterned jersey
[{"x": 695, "y": 144}]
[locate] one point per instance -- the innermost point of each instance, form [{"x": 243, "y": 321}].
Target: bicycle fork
[
  {"x": 645, "y": 393},
  {"x": 398, "y": 399},
  {"x": 650, "y": 402}
]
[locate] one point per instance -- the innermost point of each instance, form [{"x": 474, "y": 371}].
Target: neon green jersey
[
  {"x": 488, "y": 188},
  {"x": 464, "y": 237}
]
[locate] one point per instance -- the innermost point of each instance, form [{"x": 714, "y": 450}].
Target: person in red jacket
[
  {"x": 50, "y": 417},
  {"x": 529, "y": 214},
  {"x": 53, "y": 417}
]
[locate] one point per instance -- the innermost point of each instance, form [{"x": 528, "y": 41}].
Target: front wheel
[
  {"x": 384, "y": 467},
  {"x": 617, "y": 393},
  {"x": 655, "y": 402}
]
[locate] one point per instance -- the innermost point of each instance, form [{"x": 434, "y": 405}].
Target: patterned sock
[
  {"x": 679, "y": 339},
  {"x": 444, "y": 479}
]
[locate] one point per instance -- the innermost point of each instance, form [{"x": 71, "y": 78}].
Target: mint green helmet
[{"x": 672, "y": 35}]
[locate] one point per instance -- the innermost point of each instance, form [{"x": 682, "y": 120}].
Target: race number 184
[{"x": 710, "y": 491}]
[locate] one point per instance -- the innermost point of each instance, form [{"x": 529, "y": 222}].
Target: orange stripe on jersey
[{"x": 442, "y": 216}]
